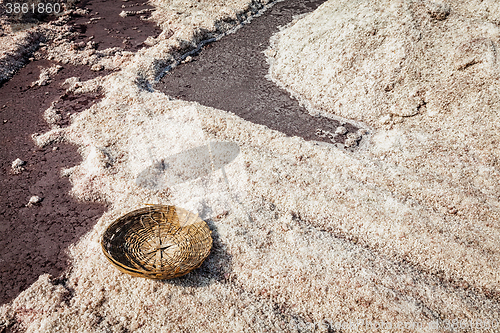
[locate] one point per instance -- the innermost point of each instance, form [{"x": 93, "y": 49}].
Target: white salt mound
[{"x": 425, "y": 75}]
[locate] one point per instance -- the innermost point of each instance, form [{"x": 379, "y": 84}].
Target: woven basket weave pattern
[{"x": 158, "y": 242}]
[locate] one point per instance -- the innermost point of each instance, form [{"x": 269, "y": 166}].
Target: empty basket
[{"x": 157, "y": 242}]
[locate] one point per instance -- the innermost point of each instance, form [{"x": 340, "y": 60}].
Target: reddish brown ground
[{"x": 33, "y": 240}]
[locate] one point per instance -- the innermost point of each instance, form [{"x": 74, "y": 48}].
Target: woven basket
[{"x": 157, "y": 242}]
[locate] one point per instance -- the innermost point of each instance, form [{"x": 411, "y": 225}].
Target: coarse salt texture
[{"x": 305, "y": 235}]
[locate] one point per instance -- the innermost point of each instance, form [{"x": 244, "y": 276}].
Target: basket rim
[{"x": 142, "y": 272}]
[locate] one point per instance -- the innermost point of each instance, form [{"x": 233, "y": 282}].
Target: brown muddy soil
[
  {"x": 34, "y": 239},
  {"x": 104, "y": 25},
  {"x": 230, "y": 75}
]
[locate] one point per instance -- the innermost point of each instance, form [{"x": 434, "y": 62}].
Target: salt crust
[
  {"x": 46, "y": 74},
  {"x": 303, "y": 232},
  {"x": 433, "y": 99},
  {"x": 14, "y": 51}
]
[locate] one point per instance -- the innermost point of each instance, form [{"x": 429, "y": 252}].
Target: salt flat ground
[{"x": 306, "y": 235}]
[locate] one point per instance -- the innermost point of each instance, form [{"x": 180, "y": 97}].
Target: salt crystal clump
[
  {"x": 46, "y": 75},
  {"x": 438, "y": 10},
  {"x": 352, "y": 139},
  {"x": 97, "y": 67},
  {"x": 17, "y": 166},
  {"x": 34, "y": 200},
  {"x": 52, "y": 115},
  {"x": 71, "y": 83},
  {"x": 341, "y": 130}
]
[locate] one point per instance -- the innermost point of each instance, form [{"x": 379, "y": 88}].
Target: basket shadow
[
  {"x": 187, "y": 165},
  {"x": 216, "y": 268}
]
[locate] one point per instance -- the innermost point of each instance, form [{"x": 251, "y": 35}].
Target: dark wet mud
[
  {"x": 230, "y": 75},
  {"x": 104, "y": 25},
  {"x": 33, "y": 239}
]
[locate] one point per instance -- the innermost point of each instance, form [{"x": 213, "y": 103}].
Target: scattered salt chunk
[
  {"x": 17, "y": 165},
  {"x": 34, "y": 200},
  {"x": 341, "y": 130}
]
